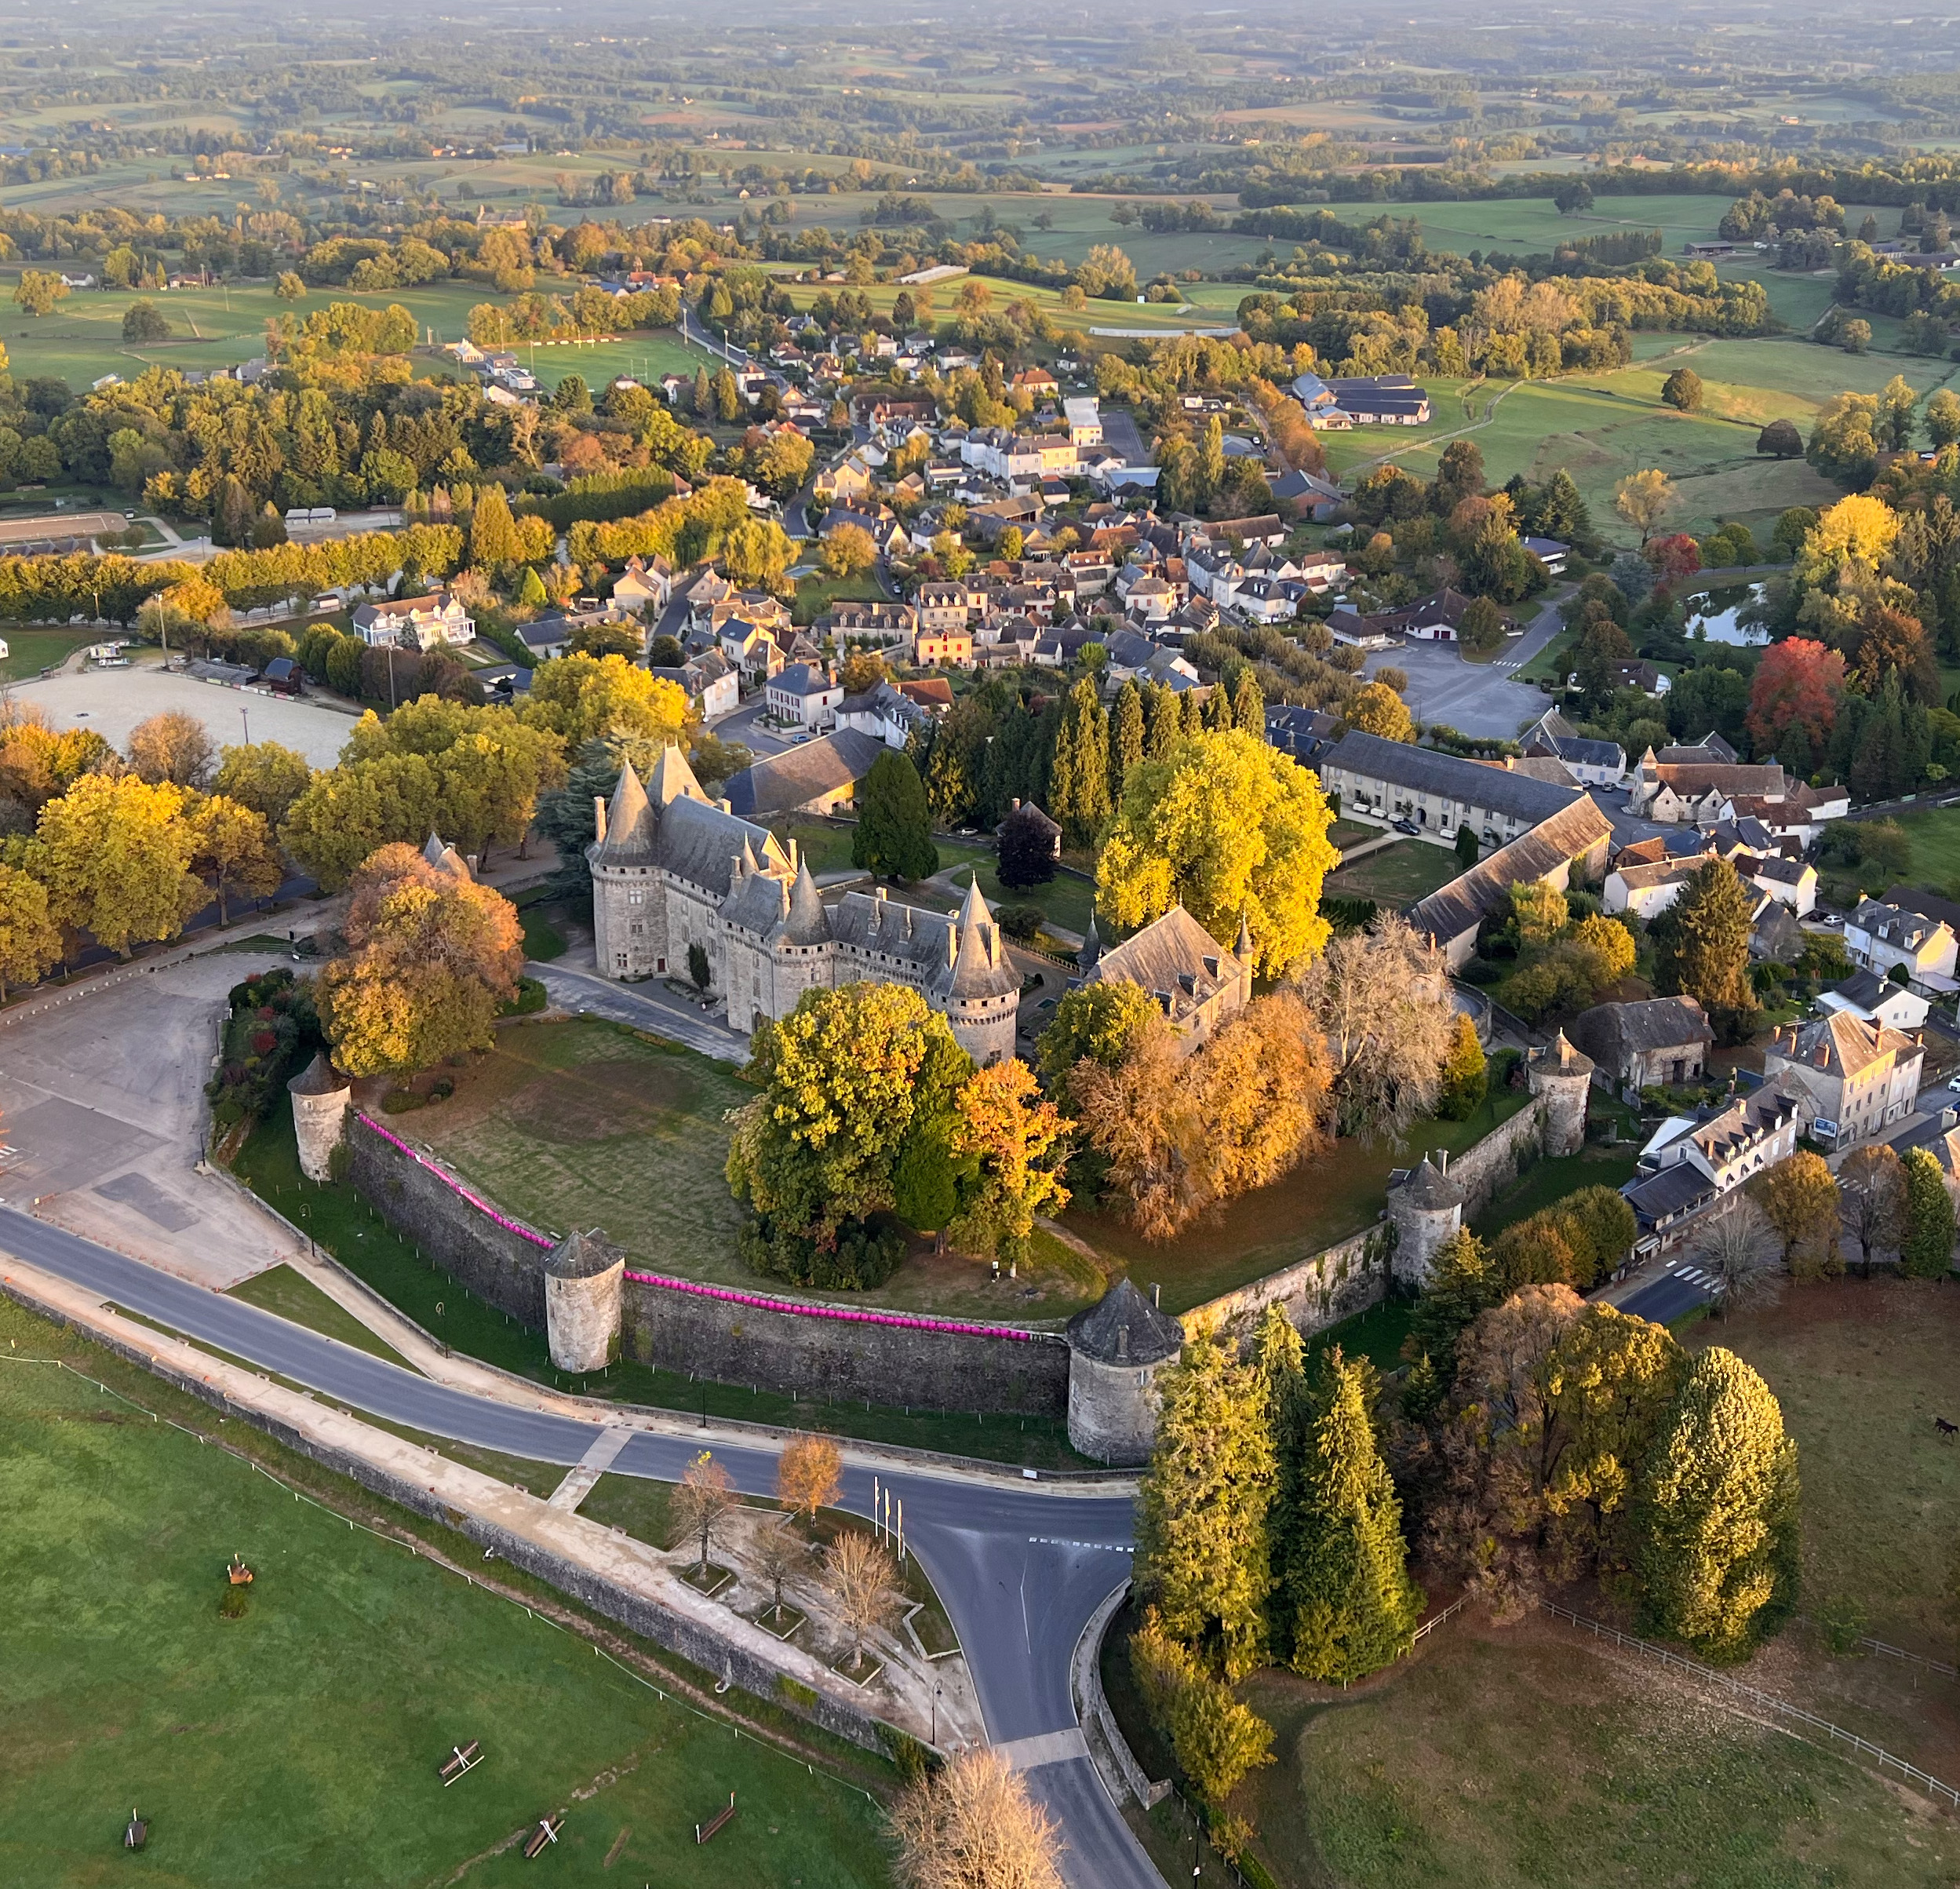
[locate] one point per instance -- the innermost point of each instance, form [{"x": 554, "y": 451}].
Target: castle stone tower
[
  {"x": 1561, "y": 1077},
  {"x": 1116, "y": 1348},
  {"x": 1426, "y": 1210},
  {"x": 320, "y": 1096},
  {"x": 583, "y": 1278},
  {"x": 979, "y": 990}
]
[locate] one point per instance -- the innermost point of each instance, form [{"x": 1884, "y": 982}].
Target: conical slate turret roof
[
  {"x": 631, "y": 830},
  {"x": 673, "y": 779},
  {"x": 1091, "y": 948},
  {"x": 808, "y": 923},
  {"x": 1125, "y": 1328},
  {"x": 1428, "y": 1187},
  {"x": 319, "y": 1078},
  {"x": 582, "y": 1255}
]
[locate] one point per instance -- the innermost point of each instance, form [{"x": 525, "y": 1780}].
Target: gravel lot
[{"x": 113, "y": 700}]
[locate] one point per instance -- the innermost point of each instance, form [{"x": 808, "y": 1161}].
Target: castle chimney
[
  {"x": 1157, "y": 1295},
  {"x": 1444, "y": 1153},
  {"x": 598, "y": 813},
  {"x": 1014, "y": 806}
]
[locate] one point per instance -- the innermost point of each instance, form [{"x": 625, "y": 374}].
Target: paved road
[
  {"x": 1674, "y": 1292},
  {"x": 1020, "y": 1572},
  {"x": 1476, "y": 698},
  {"x": 647, "y": 1006}
]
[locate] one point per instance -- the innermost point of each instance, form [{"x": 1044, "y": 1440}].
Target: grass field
[
  {"x": 1494, "y": 1759},
  {"x": 1318, "y": 1203},
  {"x": 1397, "y": 875},
  {"x": 1548, "y": 1181},
  {"x": 1862, "y": 1367},
  {"x": 29, "y": 652},
  {"x": 1936, "y": 846},
  {"x": 300, "y": 1743},
  {"x": 291, "y": 1295}
]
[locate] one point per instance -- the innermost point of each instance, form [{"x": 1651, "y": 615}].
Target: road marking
[
  {"x": 1043, "y": 1748},
  {"x": 1114, "y": 1548}
]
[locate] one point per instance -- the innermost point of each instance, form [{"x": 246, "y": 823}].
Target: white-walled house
[
  {"x": 414, "y": 622},
  {"x": 805, "y": 693},
  {"x": 1878, "y": 936}
]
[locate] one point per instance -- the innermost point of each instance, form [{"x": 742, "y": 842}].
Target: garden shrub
[{"x": 862, "y": 1259}]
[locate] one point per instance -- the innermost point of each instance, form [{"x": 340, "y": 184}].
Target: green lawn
[
  {"x": 1498, "y": 1757},
  {"x": 1397, "y": 875},
  {"x": 1936, "y": 846},
  {"x": 292, "y": 1296},
  {"x": 345, "y": 1226},
  {"x": 29, "y": 652},
  {"x": 1318, "y": 1204},
  {"x": 300, "y": 1744},
  {"x": 816, "y": 594},
  {"x": 1548, "y": 1181}
]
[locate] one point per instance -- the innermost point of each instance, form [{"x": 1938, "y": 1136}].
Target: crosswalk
[{"x": 1695, "y": 1276}]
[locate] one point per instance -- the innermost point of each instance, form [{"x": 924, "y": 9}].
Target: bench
[
  {"x": 461, "y": 1758},
  {"x": 546, "y": 1832},
  {"x": 704, "y": 1831}
]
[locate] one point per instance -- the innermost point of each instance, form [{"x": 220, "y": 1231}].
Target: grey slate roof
[
  {"x": 1174, "y": 957},
  {"x": 1672, "y": 1191},
  {"x": 780, "y": 782},
  {"x": 699, "y": 844},
  {"x": 319, "y": 1078},
  {"x": 1428, "y": 1187},
  {"x": 1468, "y": 900},
  {"x": 1123, "y": 1327},
  {"x": 1449, "y": 777},
  {"x": 582, "y": 1255},
  {"x": 1611, "y": 1033}
]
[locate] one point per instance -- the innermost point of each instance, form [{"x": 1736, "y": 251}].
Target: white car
[{"x": 1954, "y": 1083}]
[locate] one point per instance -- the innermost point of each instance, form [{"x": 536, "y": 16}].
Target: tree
[
  {"x": 1898, "y": 403},
  {"x": 1798, "y": 684},
  {"x": 291, "y": 287},
  {"x": 1459, "y": 1290},
  {"x": 807, "y": 1475},
  {"x": 1780, "y": 440},
  {"x": 1202, "y": 1557},
  {"x": 1854, "y": 336},
  {"x": 115, "y": 857},
  {"x": 1716, "y": 1516},
  {"x": 1126, "y": 737},
  {"x": 492, "y": 532},
  {"x": 1382, "y": 1000},
  {"x": 1353, "y": 1605},
  {"x": 1376, "y": 709},
  {"x": 973, "y": 1825},
  {"x": 143, "y": 321},
  {"x": 1739, "y": 1247},
  {"x": 1100, "y": 1021},
  {"x": 1480, "y": 631},
  {"x": 778, "y": 1554},
  {"x": 1466, "y": 1077},
  {"x": 38, "y": 290},
  {"x": 1018, "y": 1140},
  {"x": 1799, "y": 1196},
  {"x": 1026, "y": 848},
  {"x": 860, "y": 1574},
  {"x": 1843, "y": 444},
  {"x": 1927, "y": 1252},
  {"x": 1682, "y": 390},
  {"x": 1079, "y": 775},
  {"x": 579, "y": 698},
  {"x": 1644, "y": 499},
  {"x": 702, "y": 1501},
  {"x": 1217, "y": 1740},
  {"x": 842, "y": 1077},
  {"x": 432, "y": 957},
  {"x": 173, "y": 746},
  {"x": 849, "y": 551},
  {"x": 234, "y": 846},
  {"x": 894, "y": 834},
  {"x": 1871, "y": 1199},
  {"x": 755, "y": 553},
  {"x": 1943, "y": 417},
  {"x": 1701, "y": 948},
  {"x": 30, "y": 943},
  {"x": 1230, "y": 828},
  {"x": 1459, "y": 475}
]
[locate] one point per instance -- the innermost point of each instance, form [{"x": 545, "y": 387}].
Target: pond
[{"x": 1717, "y": 615}]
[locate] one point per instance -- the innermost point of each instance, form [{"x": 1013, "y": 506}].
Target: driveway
[{"x": 102, "y": 1112}]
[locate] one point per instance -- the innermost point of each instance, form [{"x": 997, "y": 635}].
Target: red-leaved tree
[
  {"x": 1798, "y": 684},
  {"x": 1674, "y": 558}
]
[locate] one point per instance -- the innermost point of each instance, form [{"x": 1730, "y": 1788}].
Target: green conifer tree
[
  {"x": 1079, "y": 775},
  {"x": 1715, "y": 1520},
  {"x": 1163, "y": 721},
  {"x": 1280, "y": 1356},
  {"x": 1353, "y": 1606},
  {"x": 1928, "y": 1251},
  {"x": 1218, "y": 710},
  {"x": 1202, "y": 1553},
  {"x": 1461, "y": 1285},
  {"x": 703, "y": 402},
  {"x": 1248, "y": 703},
  {"x": 492, "y": 532},
  {"x": 893, "y": 833},
  {"x": 1465, "y": 1074},
  {"x": 1701, "y": 948},
  {"x": 1126, "y": 737}
]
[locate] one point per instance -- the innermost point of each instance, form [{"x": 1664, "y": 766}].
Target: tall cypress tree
[
  {"x": 1461, "y": 1285},
  {"x": 1248, "y": 703},
  {"x": 1079, "y": 776},
  {"x": 894, "y": 833},
  {"x": 1126, "y": 737},
  {"x": 1927, "y": 1252},
  {"x": 1193, "y": 712},
  {"x": 1280, "y": 1357},
  {"x": 1202, "y": 1552},
  {"x": 1715, "y": 1521},
  {"x": 1353, "y": 1606},
  {"x": 1218, "y": 710},
  {"x": 1163, "y": 721},
  {"x": 1701, "y": 948}
]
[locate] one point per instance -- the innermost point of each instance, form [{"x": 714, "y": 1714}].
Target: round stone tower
[
  {"x": 320, "y": 1095},
  {"x": 583, "y": 1278},
  {"x": 1425, "y": 1209},
  {"x": 1560, "y": 1077},
  {"x": 1116, "y": 1349}
]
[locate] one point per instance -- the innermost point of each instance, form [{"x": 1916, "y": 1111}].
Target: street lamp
[{"x": 244, "y": 715}]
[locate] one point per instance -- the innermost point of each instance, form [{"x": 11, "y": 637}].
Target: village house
[
  {"x": 1878, "y": 937},
  {"x": 645, "y": 583},
  {"x": 1874, "y": 999},
  {"x": 1658, "y": 1042},
  {"x": 818, "y": 776},
  {"x": 1382, "y": 781},
  {"x": 751, "y": 649},
  {"x": 804, "y": 695},
  {"x": 1595, "y": 763},
  {"x": 1790, "y": 882},
  {"x": 1698, "y": 793},
  {"x": 1856, "y": 1077},
  {"x": 1198, "y": 985},
  {"x": 1689, "y": 1165},
  {"x": 943, "y": 649},
  {"x": 1647, "y": 888},
  {"x": 419, "y": 623},
  {"x": 712, "y": 687}
]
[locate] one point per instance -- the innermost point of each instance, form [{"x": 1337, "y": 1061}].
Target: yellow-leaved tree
[
  {"x": 433, "y": 956},
  {"x": 234, "y": 848},
  {"x": 1228, "y": 827},
  {"x": 30, "y": 942},
  {"x": 580, "y": 698},
  {"x": 115, "y": 856}
]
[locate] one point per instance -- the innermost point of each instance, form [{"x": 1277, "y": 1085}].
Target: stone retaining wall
[
  {"x": 1024, "y": 1375},
  {"x": 638, "y": 1612}
]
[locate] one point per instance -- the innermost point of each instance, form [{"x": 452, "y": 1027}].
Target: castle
[{"x": 672, "y": 870}]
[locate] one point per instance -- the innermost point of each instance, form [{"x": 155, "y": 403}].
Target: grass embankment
[
  {"x": 300, "y": 1743},
  {"x": 341, "y": 1222}
]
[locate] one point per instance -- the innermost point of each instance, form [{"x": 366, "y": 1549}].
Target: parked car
[{"x": 1408, "y": 826}]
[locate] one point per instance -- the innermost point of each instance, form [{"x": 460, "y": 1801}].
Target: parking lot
[{"x": 1476, "y": 698}]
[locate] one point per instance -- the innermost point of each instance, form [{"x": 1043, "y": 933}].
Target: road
[
  {"x": 1474, "y": 697},
  {"x": 1020, "y": 1572}
]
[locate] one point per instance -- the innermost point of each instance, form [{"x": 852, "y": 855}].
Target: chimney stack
[{"x": 598, "y": 813}]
